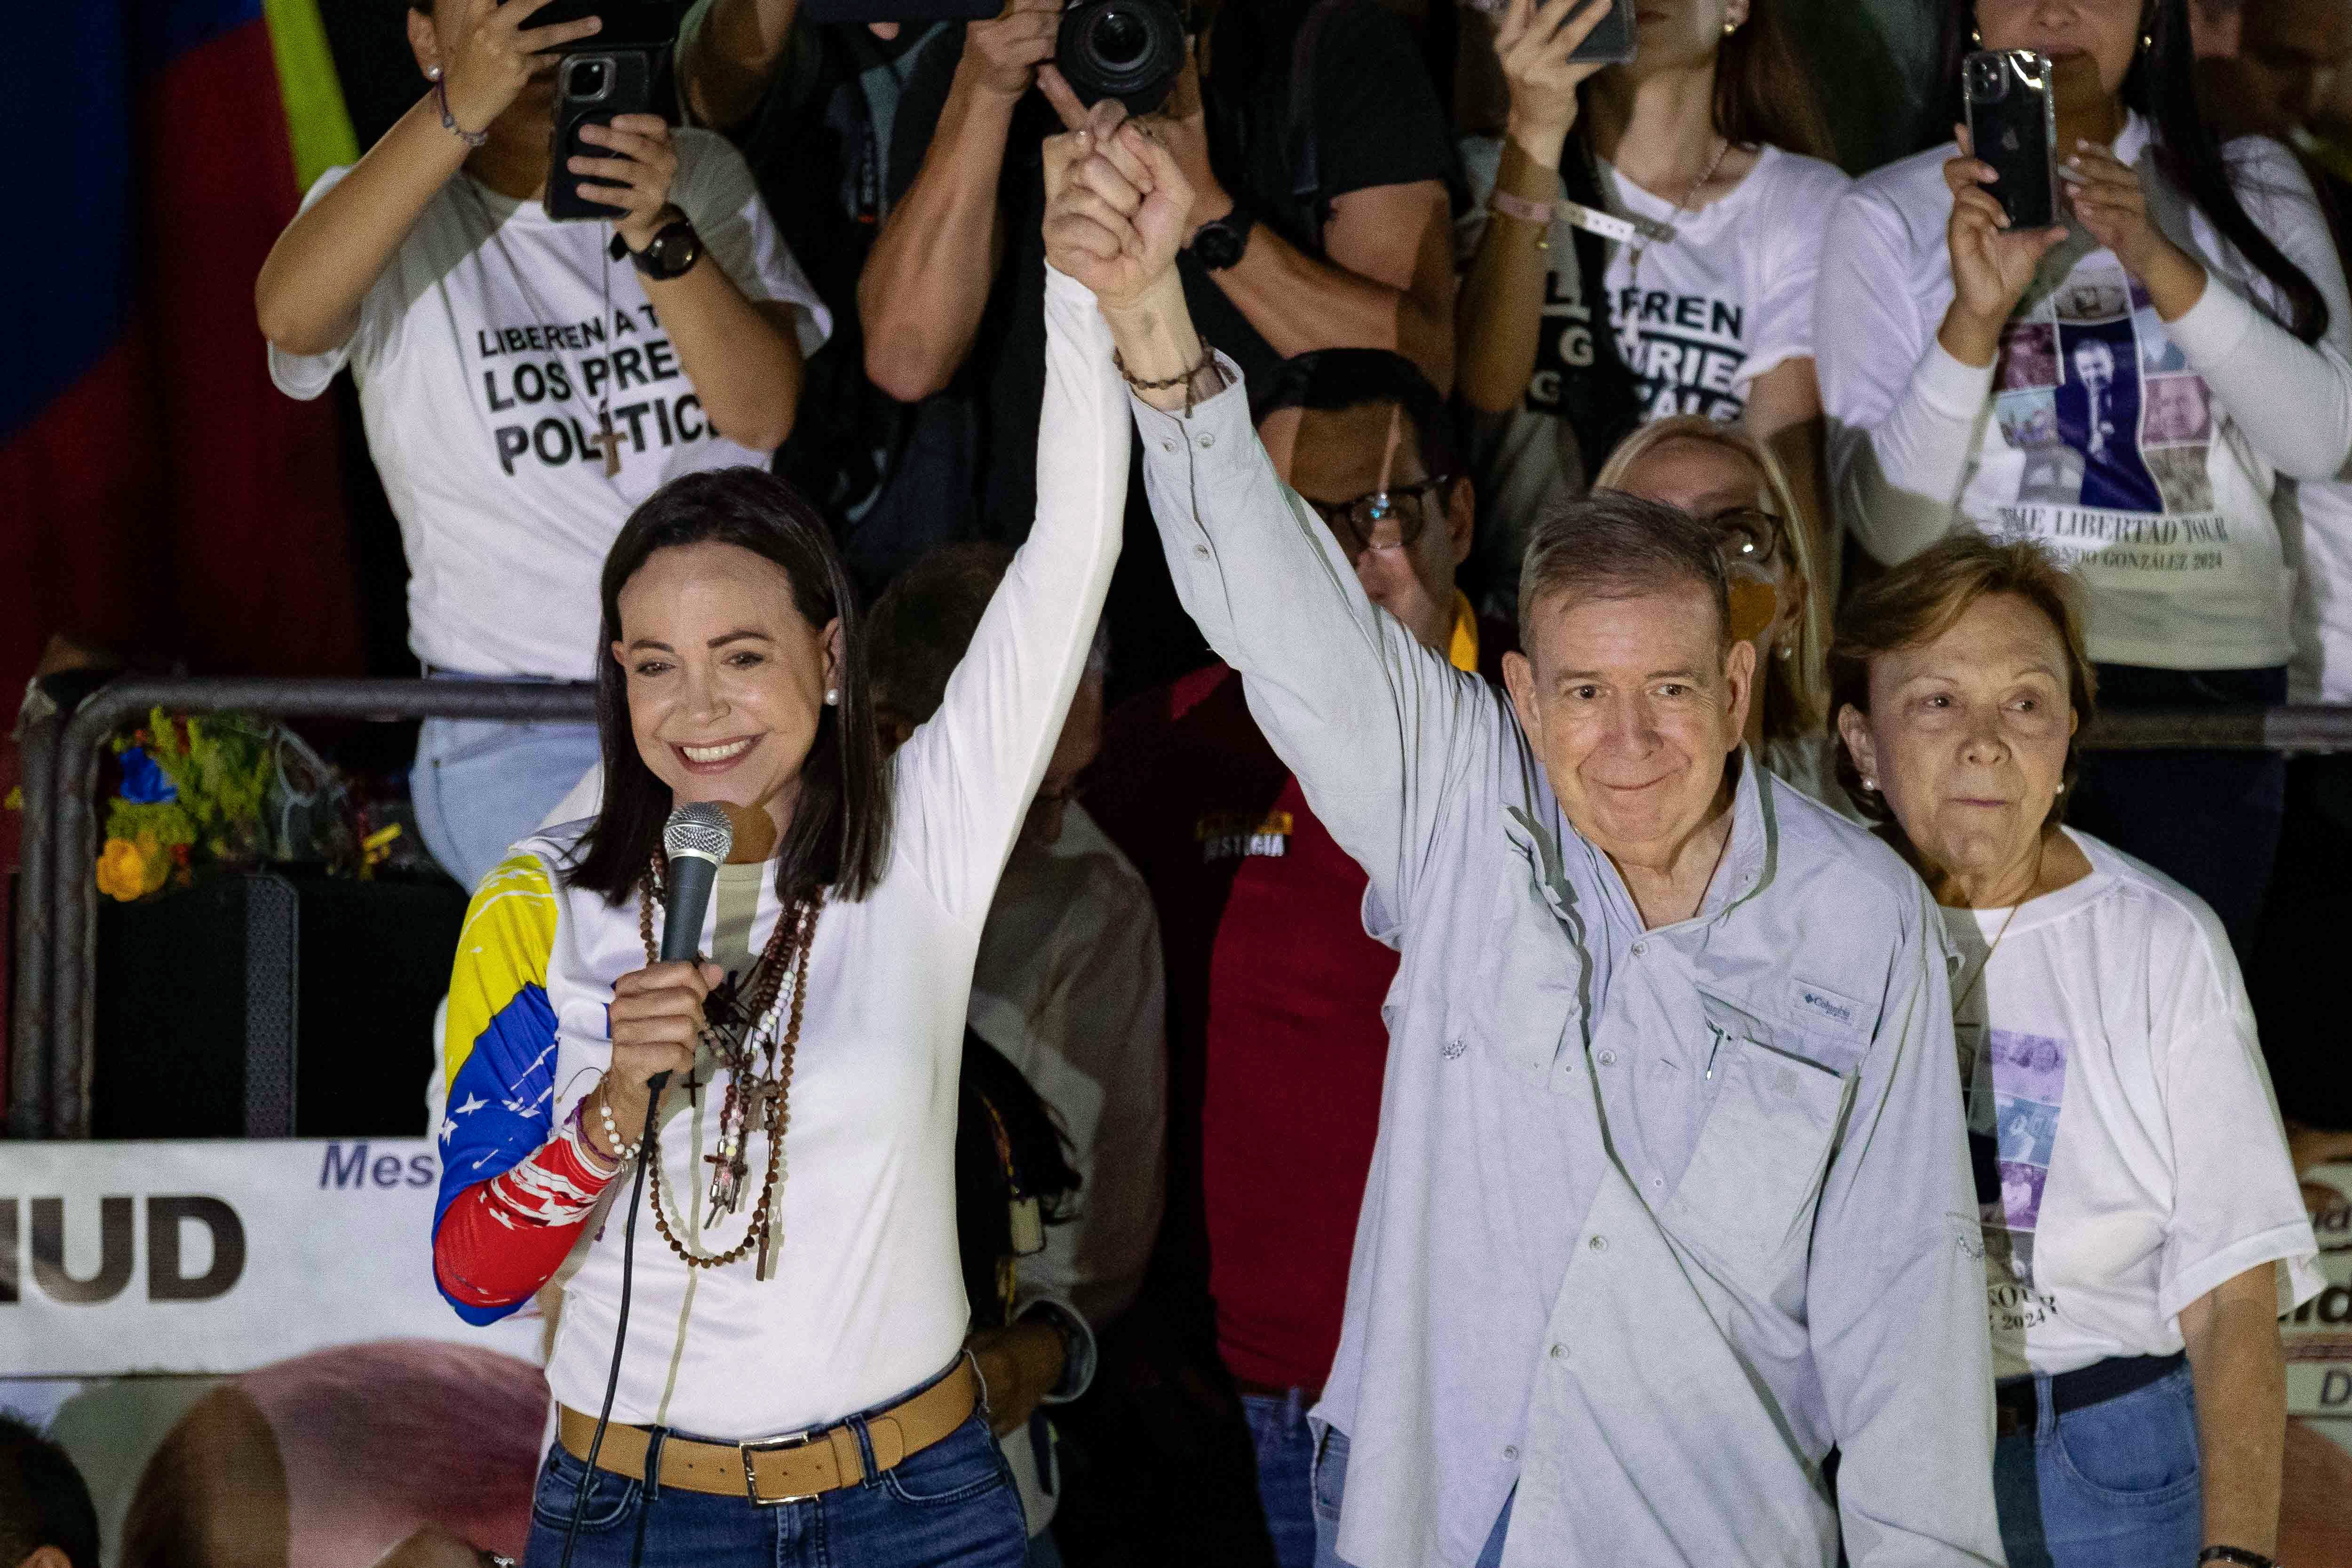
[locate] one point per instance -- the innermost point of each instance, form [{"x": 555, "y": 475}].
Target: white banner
[{"x": 204, "y": 1257}]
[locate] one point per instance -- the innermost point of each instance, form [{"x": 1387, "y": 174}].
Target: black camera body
[
  {"x": 1131, "y": 50},
  {"x": 1128, "y": 50}
]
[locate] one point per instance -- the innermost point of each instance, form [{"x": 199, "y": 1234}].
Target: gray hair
[{"x": 1612, "y": 545}]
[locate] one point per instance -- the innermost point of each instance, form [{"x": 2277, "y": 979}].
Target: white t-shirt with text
[
  {"x": 2128, "y": 1151},
  {"x": 485, "y": 354},
  {"x": 1698, "y": 319}
]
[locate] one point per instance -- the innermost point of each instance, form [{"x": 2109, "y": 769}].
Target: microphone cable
[{"x": 620, "y": 1337}]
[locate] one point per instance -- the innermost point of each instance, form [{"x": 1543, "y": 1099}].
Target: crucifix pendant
[
  {"x": 727, "y": 1177},
  {"x": 611, "y": 443}
]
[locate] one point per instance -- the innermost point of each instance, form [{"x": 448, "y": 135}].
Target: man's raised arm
[{"x": 1374, "y": 725}]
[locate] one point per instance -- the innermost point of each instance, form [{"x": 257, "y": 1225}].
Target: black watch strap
[
  {"x": 2239, "y": 1554},
  {"x": 671, "y": 253},
  {"x": 1219, "y": 242}
]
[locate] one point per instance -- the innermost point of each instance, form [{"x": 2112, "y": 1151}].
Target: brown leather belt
[{"x": 788, "y": 1469}]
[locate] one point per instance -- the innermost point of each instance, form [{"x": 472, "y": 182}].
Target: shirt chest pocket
[
  {"x": 1528, "y": 1002},
  {"x": 1747, "y": 1196}
]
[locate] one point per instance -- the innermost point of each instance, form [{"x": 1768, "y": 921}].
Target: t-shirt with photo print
[{"x": 2127, "y": 1149}]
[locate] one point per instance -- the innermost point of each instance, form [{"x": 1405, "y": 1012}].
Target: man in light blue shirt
[{"x": 1671, "y": 1197}]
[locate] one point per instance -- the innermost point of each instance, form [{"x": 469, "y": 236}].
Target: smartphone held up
[
  {"x": 1611, "y": 43},
  {"x": 1132, "y": 51},
  {"x": 623, "y": 69},
  {"x": 2013, "y": 126}
]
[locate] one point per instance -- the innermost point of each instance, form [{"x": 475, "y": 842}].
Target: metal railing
[{"x": 57, "y": 922}]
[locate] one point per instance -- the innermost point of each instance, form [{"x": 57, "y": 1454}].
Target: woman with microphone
[{"x": 791, "y": 1385}]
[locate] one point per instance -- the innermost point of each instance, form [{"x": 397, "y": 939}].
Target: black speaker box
[{"x": 275, "y": 1003}]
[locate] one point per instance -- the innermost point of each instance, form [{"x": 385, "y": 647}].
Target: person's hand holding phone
[
  {"x": 1117, "y": 204},
  {"x": 2111, "y": 203},
  {"x": 1992, "y": 263},
  {"x": 1003, "y": 54},
  {"x": 1535, "y": 40},
  {"x": 486, "y": 58},
  {"x": 635, "y": 180}
]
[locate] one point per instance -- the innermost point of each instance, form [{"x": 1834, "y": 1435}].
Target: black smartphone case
[
  {"x": 630, "y": 91},
  {"x": 2012, "y": 121}
]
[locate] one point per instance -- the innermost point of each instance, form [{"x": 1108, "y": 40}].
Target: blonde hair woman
[{"x": 1781, "y": 590}]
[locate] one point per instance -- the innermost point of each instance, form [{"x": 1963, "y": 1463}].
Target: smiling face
[
  {"x": 1967, "y": 737},
  {"x": 726, "y": 680},
  {"x": 2106, "y": 30},
  {"x": 1633, "y": 704}
]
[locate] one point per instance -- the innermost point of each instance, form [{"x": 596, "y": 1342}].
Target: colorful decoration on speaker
[{"x": 192, "y": 796}]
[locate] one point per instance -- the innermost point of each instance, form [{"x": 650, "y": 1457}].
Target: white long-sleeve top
[
  {"x": 867, "y": 1300},
  {"x": 2150, "y": 454}
]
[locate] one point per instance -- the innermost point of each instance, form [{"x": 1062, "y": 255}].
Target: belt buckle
[{"x": 777, "y": 1445}]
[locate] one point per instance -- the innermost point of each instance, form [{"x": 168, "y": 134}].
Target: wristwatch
[
  {"x": 1219, "y": 243},
  {"x": 671, "y": 253}
]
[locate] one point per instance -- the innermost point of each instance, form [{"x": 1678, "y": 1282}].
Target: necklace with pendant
[
  {"x": 753, "y": 1031},
  {"x": 1722, "y": 151}
]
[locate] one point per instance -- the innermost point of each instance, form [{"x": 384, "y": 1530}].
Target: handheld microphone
[{"x": 696, "y": 842}]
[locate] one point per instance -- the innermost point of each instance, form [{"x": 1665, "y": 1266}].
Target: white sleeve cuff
[
  {"x": 2290, "y": 1244},
  {"x": 1079, "y": 1368}
]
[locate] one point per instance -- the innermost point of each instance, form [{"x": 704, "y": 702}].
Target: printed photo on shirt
[
  {"x": 2094, "y": 296},
  {"x": 2180, "y": 412},
  {"x": 2187, "y": 485},
  {"x": 2028, "y": 418},
  {"x": 2029, "y": 356}
]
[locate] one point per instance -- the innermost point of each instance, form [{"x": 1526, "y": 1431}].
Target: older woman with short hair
[
  {"x": 2142, "y": 1227},
  {"x": 1781, "y": 592}
]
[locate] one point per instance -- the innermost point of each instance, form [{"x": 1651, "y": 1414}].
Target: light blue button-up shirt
[{"x": 1656, "y": 1219}]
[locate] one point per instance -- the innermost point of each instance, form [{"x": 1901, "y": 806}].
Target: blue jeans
[
  {"x": 1331, "y": 1485},
  {"x": 480, "y": 786},
  {"x": 1285, "y": 1471},
  {"x": 951, "y": 1506},
  {"x": 2113, "y": 1485}
]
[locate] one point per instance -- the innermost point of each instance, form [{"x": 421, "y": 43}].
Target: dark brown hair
[
  {"x": 1761, "y": 92},
  {"x": 1608, "y": 544},
  {"x": 840, "y": 832},
  {"x": 923, "y": 624},
  {"x": 1920, "y": 600}
]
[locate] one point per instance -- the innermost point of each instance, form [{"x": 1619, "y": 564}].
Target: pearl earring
[
  {"x": 1976, "y": 36},
  {"x": 1871, "y": 784},
  {"x": 1729, "y": 27},
  {"x": 832, "y": 696},
  {"x": 1787, "y": 651}
]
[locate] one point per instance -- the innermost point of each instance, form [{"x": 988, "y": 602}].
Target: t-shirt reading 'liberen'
[
  {"x": 485, "y": 354},
  {"x": 1700, "y": 318},
  {"x": 2127, "y": 1149}
]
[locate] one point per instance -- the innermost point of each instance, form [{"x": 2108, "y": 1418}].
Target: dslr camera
[{"x": 1131, "y": 50}]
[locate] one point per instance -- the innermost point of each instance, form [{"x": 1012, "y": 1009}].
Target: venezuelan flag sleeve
[{"x": 501, "y": 1041}]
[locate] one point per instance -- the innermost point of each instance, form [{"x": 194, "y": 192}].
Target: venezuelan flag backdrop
[{"x": 157, "y": 495}]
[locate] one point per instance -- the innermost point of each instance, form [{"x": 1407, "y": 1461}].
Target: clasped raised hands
[{"x": 1117, "y": 204}]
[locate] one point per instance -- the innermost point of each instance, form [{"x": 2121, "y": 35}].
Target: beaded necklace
[{"x": 742, "y": 1031}]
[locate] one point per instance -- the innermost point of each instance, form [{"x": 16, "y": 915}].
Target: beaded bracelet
[
  {"x": 449, "y": 121},
  {"x": 596, "y": 1160},
  {"x": 1207, "y": 357},
  {"x": 628, "y": 1151}
]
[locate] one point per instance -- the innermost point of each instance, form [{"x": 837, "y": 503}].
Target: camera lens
[
  {"x": 1121, "y": 39},
  {"x": 587, "y": 78},
  {"x": 1127, "y": 49},
  {"x": 1985, "y": 78}
]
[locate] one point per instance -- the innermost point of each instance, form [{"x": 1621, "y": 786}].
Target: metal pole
[
  {"x": 2310, "y": 727},
  {"x": 30, "y": 1042},
  {"x": 74, "y": 850}
]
